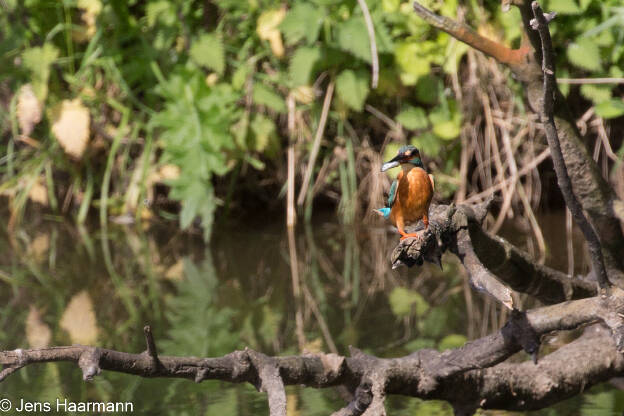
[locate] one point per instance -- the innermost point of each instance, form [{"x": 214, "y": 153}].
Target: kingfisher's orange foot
[{"x": 408, "y": 235}]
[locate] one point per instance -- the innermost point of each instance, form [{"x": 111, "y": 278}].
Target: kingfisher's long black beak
[{"x": 396, "y": 161}]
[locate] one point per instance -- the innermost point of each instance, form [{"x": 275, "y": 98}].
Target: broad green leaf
[
  {"x": 413, "y": 118},
  {"x": 446, "y": 121},
  {"x": 207, "y": 51},
  {"x": 262, "y": 95},
  {"x": 428, "y": 143},
  {"x": 596, "y": 93},
  {"x": 419, "y": 344},
  {"x": 352, "y": 88},
  {"x": 403, "y": 300},
  {"x": 38, "y": 60},
  {"x": 585, "y": 54},
  {"x": 353, "y": 38},
  {"x": 302, "y": 21},
  {"x": 302, "y": 63},
  {"x": 428, "y": 89},
  {"x": 564, "y": 6},
  {"x": 610, "y": 109},
  {"x": 451, "y": 341},
  {"x": 411, "y": 62},
  {"x": 161, "y": 10},
  {"x": 435, "y": 323},
  {"x": 240, "y": 76},
  {"x": 264, "y": 132}
]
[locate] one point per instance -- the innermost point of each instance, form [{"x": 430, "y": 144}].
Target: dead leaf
[
  {"x": 38, "y": 248},
  {"x": 71, "y": 127},
  {"x": 90, "y": 11},
  {"x": 79, "y": 320},
  {"x": 267, "y": 29},
  {"x": 28, "y": 109},
  {"x": 39, "y": 193},
  {"x": 38, "y": 333},
  {"x": 175, "y": 272},
  {"x": 304, "y": 94}
]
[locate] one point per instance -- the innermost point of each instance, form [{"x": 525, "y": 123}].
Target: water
[{"x": 60, "y": 284}]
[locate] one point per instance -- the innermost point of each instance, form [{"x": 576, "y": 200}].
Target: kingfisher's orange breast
[{"x": 414, "y": 194}]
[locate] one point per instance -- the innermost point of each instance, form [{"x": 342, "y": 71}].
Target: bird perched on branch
[{"x": 411, "y": 192}]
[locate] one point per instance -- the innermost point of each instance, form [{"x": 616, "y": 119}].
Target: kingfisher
[{"x": 410, "y": 193}]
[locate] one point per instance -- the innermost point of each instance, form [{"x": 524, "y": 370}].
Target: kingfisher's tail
[{"x": 384, "y": 212}]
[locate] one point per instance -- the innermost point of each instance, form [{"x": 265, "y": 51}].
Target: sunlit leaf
[
  {"x": 611, "y": 108},
  {"x": 353, "y": 38},
  {"x": 38, "y": 333},
  {"x": 413, "y": 118},
  {"x": 302, "y": 63},
  {"x": 585, "y": 54},
  {"x": 352, "y": 88},
  {"x": 452, "y": 341},
  {"x": 564, "y": 6},
  {"x": 268, "y": 29},
  {"x": 28, "y": 110},
  {"x": 262, "y": 95},
  {"x": 38, "y": 60},
  {"x": 208, "y": 52},
  {"x": 79, "y": 320},
  {"x": 302, "y": 21},
  {"x": 403, "y": 301},
  {"x": 70, "y": 125}
]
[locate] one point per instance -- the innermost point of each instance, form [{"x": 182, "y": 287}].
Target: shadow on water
[{"x": 60, "y": 284}]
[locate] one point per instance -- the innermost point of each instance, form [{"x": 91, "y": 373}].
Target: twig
[
  {"x": 590, "y": 80},
  {"x": 465, "y": 34},
  {"x": 151, "y": 346},
  {"x": 291, "y": 215},
  {"x": 317, "y": 144},
  {"x": 373, "y": 43},
  {"x": 540, "y": 23},
  {"x": 480, "y": 277}
]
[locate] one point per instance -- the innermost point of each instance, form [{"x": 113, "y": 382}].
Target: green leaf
[
  {"x": 596, "y": 93},
  {"x": 428, "y": 89},
  {"x": 452, "y": 341},
  {"x": 428, "y": 143},
  {"x": 610, "y": 109},
  {"x": 446, "y": 121},
  {"x": 413, "y": 118},
  {"x": 262, "y": 95},
  {"x": 207, "y": 51},
  {"x": 411, "y": 62},
  {"x": 352, "y": 88},
  {"x": 264, "y": 132},
  {"x": 240, "y": 76},
  {"x": 38, "y": 60},
  {"x": 353, "y": 38},
  {"x": 302, "y": 21},
  {"x": 585, "y": 54},
  {"x": 302, "y": 63},
  {"x": 564, "y": 6},
  {"x": 403, "y": 300}
]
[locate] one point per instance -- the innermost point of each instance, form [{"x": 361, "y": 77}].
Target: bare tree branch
[
  {"x": 458, "y": 229},
  {"x": 540, "y": 23},
  {"x": 475, "y": 367}
]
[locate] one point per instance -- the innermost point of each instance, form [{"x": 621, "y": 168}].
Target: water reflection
[{"x": 324, "y": 287}]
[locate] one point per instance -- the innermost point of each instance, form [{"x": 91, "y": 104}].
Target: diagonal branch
[
  {"x": 540, "y": 23},
  {"x": 503, "y": 54}
]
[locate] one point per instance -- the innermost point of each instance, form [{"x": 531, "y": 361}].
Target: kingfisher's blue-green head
[{"x": 406, "y": 154}]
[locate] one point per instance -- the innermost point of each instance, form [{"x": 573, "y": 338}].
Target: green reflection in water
[{"x": 239, "y": 292}]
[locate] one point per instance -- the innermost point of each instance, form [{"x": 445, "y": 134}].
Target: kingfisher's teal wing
[{"x": 392, "y": 194}]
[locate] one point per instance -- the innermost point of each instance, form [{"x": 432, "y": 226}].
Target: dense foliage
[{"x": 106, "y": 100}]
